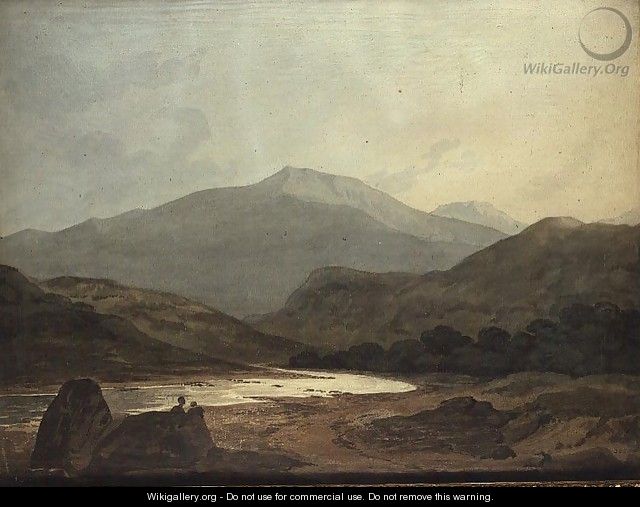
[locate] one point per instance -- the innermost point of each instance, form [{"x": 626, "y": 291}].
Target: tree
[
  {"x": 305, "y": 359},
  {"x": 542, "y": 328},
  {"x": 442, "y": 340},
  {"x": 521, "y": 346},
  {"x": 576, "y": 315},
  {"x": 366, "y": 356},
  {"x": 493, "y": 339},
  {"x": 407, "y": 356}
]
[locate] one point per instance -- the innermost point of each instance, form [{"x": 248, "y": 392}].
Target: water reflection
[{"x": 16, "y": 409}]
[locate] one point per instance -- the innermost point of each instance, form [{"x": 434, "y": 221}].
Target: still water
[{"x": 21, "y": 408}]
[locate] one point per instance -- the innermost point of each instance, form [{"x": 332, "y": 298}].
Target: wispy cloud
[{"x": 443, "y": 155}]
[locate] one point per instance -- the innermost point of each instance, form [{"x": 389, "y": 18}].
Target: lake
[{"x": 22, "y": 408}]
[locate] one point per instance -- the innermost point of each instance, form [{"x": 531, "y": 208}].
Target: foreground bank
[{"x": 524, "y": 425}]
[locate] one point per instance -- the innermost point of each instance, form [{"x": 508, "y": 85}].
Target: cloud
[
  {"x": 169, "y": 100},
  {"x": 97, "y": 173},
  {"x": 165, "y": 163},
  {"x": 432, "y": 160},
  {"x": 436, "y": 152},
  {"x": 94, "y": 138},
  {"x": 151, "y": 70},
  {"x": 50, "y": 85}
]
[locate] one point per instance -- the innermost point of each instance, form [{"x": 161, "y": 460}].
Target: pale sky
[{"x": 110, "y": 106}]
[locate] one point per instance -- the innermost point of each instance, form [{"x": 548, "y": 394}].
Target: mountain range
[
  {"x": 551, "y": 264},
  {"x": 243, "y": 250},
  {"x": 631, "y": 217},
  {"x": 483, "y": 213},
  {"x": 75, "y": 326}
]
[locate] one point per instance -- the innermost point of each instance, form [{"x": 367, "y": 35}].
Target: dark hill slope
[
  {"x": 46, "y": 338},
  {"x": 177, "y": 320},
  {"x": 553, "y": 263}
]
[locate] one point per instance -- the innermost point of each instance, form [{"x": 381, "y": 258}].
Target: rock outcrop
[
  {"x": 153, "y": 441},
  {"x": 71, "y": 427},
  {"x": 461, "y": 425},
  {"x": 78, "y": 435}
]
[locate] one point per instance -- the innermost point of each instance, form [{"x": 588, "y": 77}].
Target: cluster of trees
[{"x": 585, "y": 339}]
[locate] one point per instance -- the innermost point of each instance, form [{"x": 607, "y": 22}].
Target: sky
[{"x": 109, "y": 106}]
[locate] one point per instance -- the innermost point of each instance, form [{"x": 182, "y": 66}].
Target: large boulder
[
  {"x": 153, "y": 441},
  {"x": 71, "y": 427}
]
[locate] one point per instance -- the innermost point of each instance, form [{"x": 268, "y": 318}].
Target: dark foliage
[
  {"x": 443, "y": 340},
  {"x": 305, "y": 359},
  {"x": 494, "y": 339},
  {"x": 407, "y": 356},
  {"x": 586, "y": 339}
]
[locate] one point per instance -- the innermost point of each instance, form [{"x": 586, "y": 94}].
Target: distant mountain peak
[
  {"x": 245, "y": 249},
  {"x": 314, "y": 186},
  {"x": 287, "y": 172},
  {"x": 553, "y": 228},
  {"x": 631, "y": 217},
  {"x": 482, "y": 213},
  {"x": 290, "y": 170},
  {"x": 473, "y": 204},
  {"x": 555, "y": 223},
  {"x": 296, "y": 180}
]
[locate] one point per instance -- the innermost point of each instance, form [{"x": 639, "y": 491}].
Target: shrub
[
  {"x": 493, "y": 339},
  {"x": 305, "y": 359},
  {"x": 407, "y": 356},
  {"x": 442, "y": 340}
]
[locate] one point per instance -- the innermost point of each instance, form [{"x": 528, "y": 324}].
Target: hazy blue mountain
[
  {"x": 482, "y": 213},
  {"x": 243, "y": 250}
]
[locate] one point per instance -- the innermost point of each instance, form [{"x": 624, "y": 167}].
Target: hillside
[
  {"x": 553, "y": 263},
  {"x": 47, "y": 338},
  {"x": 245, "y": 249},
  {"x": 631, "y": 217},
  {"x": 177, "y": 320},
  {"x": 482, "y": 213}
]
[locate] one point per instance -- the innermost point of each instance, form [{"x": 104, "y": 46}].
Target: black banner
[{"x": 327, "y": 495}]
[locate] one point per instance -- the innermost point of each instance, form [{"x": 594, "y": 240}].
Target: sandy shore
[{"x": 329, "y": 435}]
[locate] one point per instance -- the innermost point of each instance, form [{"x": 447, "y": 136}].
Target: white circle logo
[{"x": 611, "y": 55}]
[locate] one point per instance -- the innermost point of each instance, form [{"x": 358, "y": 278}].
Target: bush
[
  {"x": 542, "y": 328},
  {"x": 576, "y": 316},
  {"x": 408, "y": 356},
  {"x": 366, "y": 356},
  {"x": 305, "y": 359},
  {"x": 442, "y": 340},
  {"x": 494, "y": 339}
]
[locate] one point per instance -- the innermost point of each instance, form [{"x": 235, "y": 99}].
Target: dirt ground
[
  {"x": 333, "y": 434},
  {"x": 539, "y": 422}
]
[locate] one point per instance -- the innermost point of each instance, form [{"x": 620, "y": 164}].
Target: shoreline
[
  {"x": 254, "y": 372},
  {"x": 339, "y": 435}
]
